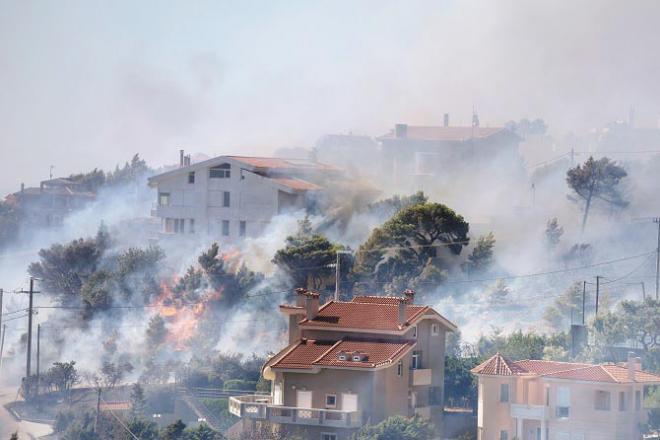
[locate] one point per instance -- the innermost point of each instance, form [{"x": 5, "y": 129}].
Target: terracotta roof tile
[
  {"x": 499, "y": 365},
  {"x": 362, "y": 316},
  {"x": 608, "y": 373},
  {"x": 369, "y": 299},
  {"x": 378, "y": 353},
  {"x": 296, "y": 184}
]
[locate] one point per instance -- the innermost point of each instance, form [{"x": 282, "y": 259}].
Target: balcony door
[
  {"x": 303, "y": 399},
  {"x": 349, "y": 402}
]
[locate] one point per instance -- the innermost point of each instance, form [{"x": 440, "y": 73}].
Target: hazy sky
[{"x": 87, "y": 84}]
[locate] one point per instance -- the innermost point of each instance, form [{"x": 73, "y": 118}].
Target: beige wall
[{"x": 583, "y": 420}]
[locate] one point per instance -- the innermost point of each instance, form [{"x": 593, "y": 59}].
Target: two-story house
[
  {"x": 548, "y": 400},
  {"x": 352, "y": 363},
  {"x": 231, "y": 197}
]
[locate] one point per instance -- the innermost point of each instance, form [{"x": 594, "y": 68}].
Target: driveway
[{"x": 8, "y": 424}]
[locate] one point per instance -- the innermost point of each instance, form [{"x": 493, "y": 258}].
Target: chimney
[
  {"x": 41, "y": 187},
  {"x": 310, "y": 300},
  {"x": 401, "y": 130},
  {"x": 402, "y": 312},
  {"x": 446, "y": 120},
  {"x": 475, "y": 120},
  {"x": 181, "y": 158},
  {"x": 631, "y": 364},
  {"x": 409, "y": 294},
  {"x": 22, "y": 187},
  {"x": 638, "y": 364}
]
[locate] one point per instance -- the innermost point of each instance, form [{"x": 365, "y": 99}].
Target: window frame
[
  {"x": 416, "y": 361},
  {"x": 507, "y": 387},
  {"x": 608, "y": 402},
  {"x": 504, "y": 435},
  {"x": 191, "y": 225},
  {"x": 164, "y": 196},
  {"x": 226, "y": 199},
  {"x": 399, "y": 368},
  {"x": 623, "y": 404},
  {"x": 191, "y": 177},
  {"x": 222, "y": 171},
  {"x": 242, "y": 228},
  {"x": 331, "y": 405},
  {"x": 435, "y": 329},
  {"x": 328, "y": 436},
  {"x": 225, "y": 228},
  {"x": 414, "y": 332}
]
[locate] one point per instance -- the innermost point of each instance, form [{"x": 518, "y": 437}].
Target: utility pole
[
  {"x": 2, "y": 344},
  {"x": 572, "y": 157},
  {"x": 28, "y": 363},
  {"x": 584, "y": 294},
  {"x": 643, "y": 290},
  {"x": 597, "y": 292},
  {"x": 657, "y": 261},
  {"x": 38, "y": 354}
]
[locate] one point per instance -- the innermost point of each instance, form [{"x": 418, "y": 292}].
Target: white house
[{"x": 230, "y": 197}]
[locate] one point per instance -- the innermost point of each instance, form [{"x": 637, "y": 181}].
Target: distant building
[
  {"x": 352, "y": 363},
  {"x": 547, "y": 400},
  {"x": 51, "y": 202},
  {"x": 415, "y": 153},
  {"x": 357, "y": 154},
  {"x": 231, "y": 197}
]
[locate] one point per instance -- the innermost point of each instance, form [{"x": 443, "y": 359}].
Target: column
[{"x": 543, "y": 429}]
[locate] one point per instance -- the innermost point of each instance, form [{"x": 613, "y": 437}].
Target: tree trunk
[{"x": 586, "y": 211}]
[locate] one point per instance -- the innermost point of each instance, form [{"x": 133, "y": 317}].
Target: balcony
[
  {"x": 422, "y": 377},
  {"x": 262, "y": 408},
  {"x": 532, "y": 412}
]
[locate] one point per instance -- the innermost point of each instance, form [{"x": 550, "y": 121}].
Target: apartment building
[
  {"x": 547, "y": 400},
  {"x": 352, "y": 363},
  {"x": 420, "y": 154},
  {"x": 231, "y": 197}
]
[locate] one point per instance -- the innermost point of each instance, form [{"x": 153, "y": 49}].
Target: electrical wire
[{"x": 119, "y": 420}]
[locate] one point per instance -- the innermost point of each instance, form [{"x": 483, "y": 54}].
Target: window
[
  {"x": 504, "y": 435},
  {"x": 622, "y": 401},
  {"x": 330, "y": 400},
  {"x": 225, "y": 199},
  {"x": 416, "y": 361},
  {"x": 191, "y": 177},
  {"x": 504, "y": 392},
  {"x": 602, "y": 400},
  {"x": 547, "y": 396},
  {"x": 220, "y": 172},
  {"x": 163, "y": 199},
  {"x": 638, "y": 400},
  {"x": 179, "y": 225},
  {"x": 435, "y": 329},
  {"x": 399, "y": 369},
  {"x": 225, "y": 228},
  {"x": 563, "y": 402},
  {"x": 328, "y": 436},
  {"x": 191, "y": 223},
  {"x": 356, "y": 358},
  {"x": 342, "y": 356},
  {"x": 242, "y": 228},
  {"x": 414, "y": 332}
]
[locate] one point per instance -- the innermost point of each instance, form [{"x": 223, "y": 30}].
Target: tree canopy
[
  {"x": 397, "y": 428},
  {"x": 597, "y": 180}
]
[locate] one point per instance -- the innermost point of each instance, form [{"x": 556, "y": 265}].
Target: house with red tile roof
[
  {"x": 349, "y": 363},
  {"x": 416, "y": 154},
  {"x": 549, "y": 400},
  {"x": 227, "y": 198}
]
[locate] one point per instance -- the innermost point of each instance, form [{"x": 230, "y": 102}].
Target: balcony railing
[
  {"x": 262, "y": 408},
  {"x": 533, "y": 412}
]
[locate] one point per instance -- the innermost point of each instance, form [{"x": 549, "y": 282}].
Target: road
[{"x": 8, "y": 425}]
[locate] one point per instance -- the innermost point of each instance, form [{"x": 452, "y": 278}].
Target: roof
[
  {"x": 499, "y": 365},
  {"x": 296, "y": 184},
  {"x": 362, "y": 316},
  {"x": 373, "y": 299},
  {"x": 439, "y": 133},
  {"x": 309, "y": 354},
  {"x": 255, "y": 164}
]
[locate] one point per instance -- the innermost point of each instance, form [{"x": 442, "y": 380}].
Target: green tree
[
  {"x": 202, "y": 432},
  {"x": 481, "y": 257},
  {"x": 10, "y": 218},
  {"x": 460, "y": 383},
  {"x": 397, "y": 428},
  {"x": 63, "y": 375},
  {"x": 418, "y": 236},
  {"x": 566, "y": 309},
  {"x": 517, "y": 345},
  {"x": 553, "y": 233},
  {"x": 307, "y": 257},
  {"x": 138, "y": 400},
  {"x": 173, "y": 431},
  {"x": 156, "y": 332},
  {"x": 596, "y": 180},
  {"x": 131, "y": 173},
  {"x": 142, "y": 429}
]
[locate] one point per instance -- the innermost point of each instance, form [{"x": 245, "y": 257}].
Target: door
[
  {"x": 304, "y": 399},
  {"x": 349, "y": 402}
]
